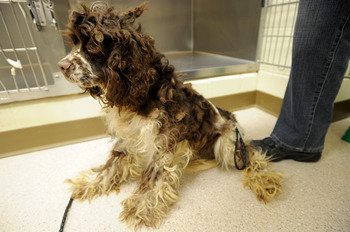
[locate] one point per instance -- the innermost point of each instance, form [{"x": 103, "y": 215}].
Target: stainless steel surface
[
  {"x": 169, "y": 22},
  {"x": 227, "y": 27},
  {"x": 201, "y": 64}
]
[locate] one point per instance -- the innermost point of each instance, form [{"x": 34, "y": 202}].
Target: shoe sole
[{"x": 300, "y": 157}]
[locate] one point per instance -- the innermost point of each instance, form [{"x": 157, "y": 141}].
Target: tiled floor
[{"x": 315, "y": 196}]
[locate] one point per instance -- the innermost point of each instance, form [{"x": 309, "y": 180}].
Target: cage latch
[{"x": 42, "y": 13}]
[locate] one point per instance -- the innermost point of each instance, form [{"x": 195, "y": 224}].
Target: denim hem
[{"x": 297, "y": 149}]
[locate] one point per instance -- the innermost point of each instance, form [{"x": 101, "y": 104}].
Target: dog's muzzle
[{"x": 64, "y": 65}]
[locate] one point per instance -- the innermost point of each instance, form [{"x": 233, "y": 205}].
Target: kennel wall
[{"x": 201, "y": 38}]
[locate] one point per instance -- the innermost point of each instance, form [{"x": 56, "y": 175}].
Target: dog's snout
[{"x": 64, "y": 65}]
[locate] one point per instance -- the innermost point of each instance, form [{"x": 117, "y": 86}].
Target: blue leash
[{"x": 65, "y": 214}]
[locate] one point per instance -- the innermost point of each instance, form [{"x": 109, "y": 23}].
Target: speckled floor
[{"x": 315, "y": 196}]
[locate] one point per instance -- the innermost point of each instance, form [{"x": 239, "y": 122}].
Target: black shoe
[{"x": 277, "y": 153}]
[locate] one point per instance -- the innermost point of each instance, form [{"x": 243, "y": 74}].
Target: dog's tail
[{"x": 201, "y": 165}]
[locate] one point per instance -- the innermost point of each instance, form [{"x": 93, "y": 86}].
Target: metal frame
[
  {"x": 268, "y": 38},
  {"x": 35, "y": 84}
]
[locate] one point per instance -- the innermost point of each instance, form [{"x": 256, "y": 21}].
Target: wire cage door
[
  {"x": 276, "y": 32},
  {"x": 30, "y": 46}
]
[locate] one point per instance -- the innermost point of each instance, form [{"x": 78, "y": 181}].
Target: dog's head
[{"x": 111, "y": 58}]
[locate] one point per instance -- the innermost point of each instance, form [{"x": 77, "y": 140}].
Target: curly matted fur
[{"x": 161, "y": 126}]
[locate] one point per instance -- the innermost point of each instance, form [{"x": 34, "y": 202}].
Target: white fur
[
  {"x": 134, "y": 135},
  {"x": 77, "y": 73},
  {"x": 225, "y": 145}
]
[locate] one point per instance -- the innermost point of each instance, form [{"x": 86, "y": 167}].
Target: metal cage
[
  {"x": 276, "y": 32},
  {"x": 30, "y": 45}
]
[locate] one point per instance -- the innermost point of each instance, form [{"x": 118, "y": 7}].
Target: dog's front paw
[
  {"x": 87, "y": 186},
  {"x": 141, "y": 210}
]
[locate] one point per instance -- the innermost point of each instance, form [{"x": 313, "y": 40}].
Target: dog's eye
[{"x": 93, "y": 48}]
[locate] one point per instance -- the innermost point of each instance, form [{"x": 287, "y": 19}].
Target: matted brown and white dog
[{"x": 161, "y": 126}]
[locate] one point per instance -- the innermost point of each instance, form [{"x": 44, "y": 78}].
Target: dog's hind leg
[
  {"x": 158, "y": 189},
  {"x": 106, "y": 178},
  {"x": 264, "y": 182}
]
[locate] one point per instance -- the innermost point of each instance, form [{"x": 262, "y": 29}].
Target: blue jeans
[{"x": 321, "y": 52}]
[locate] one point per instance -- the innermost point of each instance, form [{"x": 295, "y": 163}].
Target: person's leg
[{"x": 321, "y": 51}]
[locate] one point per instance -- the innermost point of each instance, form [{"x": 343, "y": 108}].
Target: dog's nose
[{"x": 64, "y": 65}]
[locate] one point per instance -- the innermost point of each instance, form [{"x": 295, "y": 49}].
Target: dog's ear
[
  {"x": 78, "y": 17},
  {"x": 131, "y": 75},
  {"x": 88, "y": 13},
  {"x": 131, "y": 15}
]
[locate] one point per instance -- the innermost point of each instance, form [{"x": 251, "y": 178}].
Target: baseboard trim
[
  {"x": 268, "y": 103},
  {"x": 236, "y": 101},
  {"x": 31, "y": 139},
  {"x": 341, "y": 110},
  {"x": 272, "y": 105}
]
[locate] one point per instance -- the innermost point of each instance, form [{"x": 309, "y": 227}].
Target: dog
[{"x": 161, "y": 126}]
